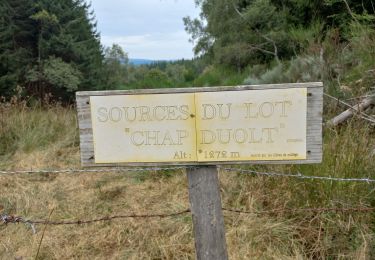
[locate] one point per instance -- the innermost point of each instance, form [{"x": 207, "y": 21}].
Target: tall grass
[{"x": 24, "y": 130}]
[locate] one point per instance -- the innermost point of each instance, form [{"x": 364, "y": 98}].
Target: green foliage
[
  {"x": 115, "y": 67},
  {"x": 17, "y": 34},
  {"x": 239, "y": 33},
  {"x": 45, "y": 18},
  {"x": 48, "y": 46},
  {"x": 180, "y": 73},
  {"x": 155, "y": 78},
  {"x": 57, "y": 73},
  {"x": 61, "y": 74},
  {"x": 177, "y": 73},
  {"x": 273, "y": 75},
  {"x": 299, "y": 69},
  {"x": 305, "y": 38},
  {"x": 220, "y": 76},
  {"x": 209, "y": 77},
  {"x": 358, "y": 59}
]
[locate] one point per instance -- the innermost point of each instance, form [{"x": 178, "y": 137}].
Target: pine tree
[
  {"x": 44, "y": 42},
  {"x": 17, "y": 43},
  {"x": 67, "y": 36}
]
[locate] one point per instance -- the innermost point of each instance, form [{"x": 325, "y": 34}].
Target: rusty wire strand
[
  {"x": 9, "y": 219},
  {"x": 296, "y": 210},
  {"x": 14, "y": 219}
]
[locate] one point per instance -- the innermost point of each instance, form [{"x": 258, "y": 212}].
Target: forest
[{"x": 53, "y": 47}]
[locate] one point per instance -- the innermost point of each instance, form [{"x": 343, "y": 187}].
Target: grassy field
[{"x": 47, "y": 138}]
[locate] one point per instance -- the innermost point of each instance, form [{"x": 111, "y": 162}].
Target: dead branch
[{"x": 356, "y": 109}]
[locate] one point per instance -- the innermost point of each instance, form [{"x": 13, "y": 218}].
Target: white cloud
[
  {"x": 126, "y": 40},
  {"x": 158, "y": 46},
  {"x": 151, "y": 29}
]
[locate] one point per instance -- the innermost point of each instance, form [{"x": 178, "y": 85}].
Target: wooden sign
[{"x": 279, "y": 123}]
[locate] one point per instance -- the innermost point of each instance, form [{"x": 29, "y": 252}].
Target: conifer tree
[
  {"x": 17, "y": 43},
  {"x": 45, "y": 42}
]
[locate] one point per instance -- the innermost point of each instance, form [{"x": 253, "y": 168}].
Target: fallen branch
[{"x": 356, "y": 109}]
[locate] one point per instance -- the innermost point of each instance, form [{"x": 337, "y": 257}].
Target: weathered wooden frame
[{"x": 313, "y": 135}]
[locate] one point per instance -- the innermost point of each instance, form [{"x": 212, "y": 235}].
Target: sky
[{"x": 146, "y": 29}]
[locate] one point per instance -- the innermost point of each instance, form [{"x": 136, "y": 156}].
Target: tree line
[{"x": 53, "y": 46}]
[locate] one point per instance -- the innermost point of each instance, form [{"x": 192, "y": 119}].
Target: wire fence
[
  {"x": 226, "y": 169},
  {"x": 299, "y": 175},
  {"x": 11, "y": 219},
  {"x": 7, "y": 219}
]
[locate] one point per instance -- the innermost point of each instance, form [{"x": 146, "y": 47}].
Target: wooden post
[{"x": 208, "y": 221}]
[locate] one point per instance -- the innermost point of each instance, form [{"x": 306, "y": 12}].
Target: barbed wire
[
  {"x": 227, "y": 169},
  {"x": 295, "y": 210},
  {"x": 7, "y": 219},
  {"x": 14, "y": 219},
  {"x": 10, "y": 219},
  {"x": 298, "y": 175}
]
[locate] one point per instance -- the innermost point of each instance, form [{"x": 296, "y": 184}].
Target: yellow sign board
[
  {"x": 144, "y": 128},
  {"x": 251, "y": 125},
  {"x": 248, "y": 125}
]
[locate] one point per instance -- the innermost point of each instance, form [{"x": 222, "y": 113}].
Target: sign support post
[
  {"x": 203, "y": 127},
  {"x": 208, "y": 221}
]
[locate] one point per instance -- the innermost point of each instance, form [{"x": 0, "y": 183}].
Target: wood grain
[{"x": 208, "y": 221}]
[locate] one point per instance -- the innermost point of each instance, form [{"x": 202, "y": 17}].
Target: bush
[{"x": 299, "y": 69}]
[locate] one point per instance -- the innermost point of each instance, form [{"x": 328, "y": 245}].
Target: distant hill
[{"x": 138, "y": 62}]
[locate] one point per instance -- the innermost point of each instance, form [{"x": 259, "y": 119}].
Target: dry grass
[{"x": 89, "y": 195}]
